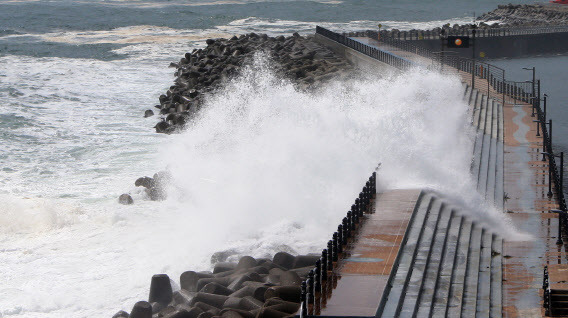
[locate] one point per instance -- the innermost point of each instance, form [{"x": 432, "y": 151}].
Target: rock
[
  {"x": 141, "y": 309},
  {"x": 160, "y": 289},
  {"x": 157, "y": 307},
  {"x": 210, "y": 299},
  {"x": 283, "y": 259},
  {"x": 125, "y": 199},
  {"x": 207, "y": 308},
  {"x": 216, "y": 288},
  {"x": 305, "y": 260},
  {"x": 223, "y": 267},
  {"x": 282, "y": 305},
  {"x": 287, "y": 293},
  {"x": 145, "y": 182},
  {"x": 243, "y": 292},
  {"x": 183, "y": 296},
  {"x": 205, "y": 314},
  {"x": 290, "y": 278},
  {"x": 240, "y": 312},
  {"x": 224, "y": 281},
  {"x": 271, "y": 313},
  {"x": 148, "y": 113},
  {"x": 246, "y": 262},
  {"x": 163, "y": 127},
  {"x": 121, "y": 314},
  {"x": 189, "y": 279},
  {"x": 156, "y": 194}
]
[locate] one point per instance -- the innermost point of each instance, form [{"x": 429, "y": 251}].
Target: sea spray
[{"x": 271, "y": 167}]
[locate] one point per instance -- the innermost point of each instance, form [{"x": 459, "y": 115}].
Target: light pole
[
  {"x": 533, "y": 69},
  {"x": 533, "y": 76}
]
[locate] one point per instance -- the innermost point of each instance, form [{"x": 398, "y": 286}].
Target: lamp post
[
  {"x": 544, "y": 111},
  {"x": 533, "y": 69},
  {"x": 533, "y": 76}
]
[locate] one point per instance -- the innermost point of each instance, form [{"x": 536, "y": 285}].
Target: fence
[
  {"x": 365, "y": 49},
  {"x": 320, "y": 277},
  {"x": 414, "y": 35}
]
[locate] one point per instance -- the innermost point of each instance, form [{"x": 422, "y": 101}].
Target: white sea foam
[{"x": 163, "y": 36}]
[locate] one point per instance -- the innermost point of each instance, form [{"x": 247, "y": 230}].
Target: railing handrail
[{"x": 413, "y": 35}]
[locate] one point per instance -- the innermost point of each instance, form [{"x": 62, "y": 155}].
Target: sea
[{"x": 264, "y": 168}]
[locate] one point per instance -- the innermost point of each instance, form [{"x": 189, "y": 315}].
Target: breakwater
[{"x": 299, "y": 58}]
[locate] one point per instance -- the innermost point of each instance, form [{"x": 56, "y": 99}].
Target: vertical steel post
[
  {"x": 559, "y": 240},
  {"x": 550, "y": 136},
  {"x": 549, "y": 194},
  {"x": 473, "y": 26},
  {"x": 562, "y": 171},
  {"x": 544, "y": 115}
]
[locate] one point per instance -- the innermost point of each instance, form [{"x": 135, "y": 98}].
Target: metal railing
[
  {"x": 365, "y": 49},
  {"x": 546, "y": 294},
  {"x": 414, "y": 35},
  {"x": 320, "y": 278}
]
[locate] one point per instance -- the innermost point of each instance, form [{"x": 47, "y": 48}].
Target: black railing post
[
  {"x": 559, "y": 238},
  {"x": 562, "y": 172},
  {"x": 324, "y": 265},
  {"x": 550, "y": 136},
  {"x": 310, "y": 287},
  {"x": 303, "y": 300},
  {"x": 549, "y": 194},
  {"x": 317, "y": 273},
  {"x": 544, "y": 111},
  {"x": 537, "y": 127}
]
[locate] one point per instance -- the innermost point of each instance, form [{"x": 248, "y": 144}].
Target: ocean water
[{"x": 264, "y": 168}]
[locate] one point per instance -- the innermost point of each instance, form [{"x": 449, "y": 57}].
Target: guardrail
[
  {"x": 365, "y": 49},
  {"x": 414, "y": 35},
  {"x": 320, "y": 279}
]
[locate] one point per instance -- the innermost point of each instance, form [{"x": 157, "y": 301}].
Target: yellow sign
[{"x": 481, "y": 54}]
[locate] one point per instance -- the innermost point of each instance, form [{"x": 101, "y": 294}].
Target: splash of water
[{"x": 263, "y": 153}]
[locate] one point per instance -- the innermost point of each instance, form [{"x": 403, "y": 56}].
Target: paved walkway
[{"x": 361, "y": 276}]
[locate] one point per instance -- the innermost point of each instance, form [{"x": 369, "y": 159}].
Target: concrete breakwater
[
  {"x": 250, "y": 288},
  {"x": 200, "y": 72},
  {"x": 528, "y": 14}
]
